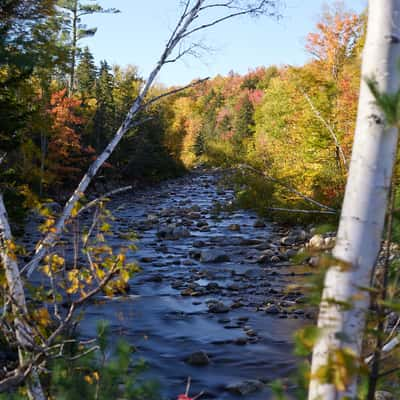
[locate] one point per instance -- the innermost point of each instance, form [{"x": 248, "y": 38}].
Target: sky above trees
[{"x": 137, "y": 34}]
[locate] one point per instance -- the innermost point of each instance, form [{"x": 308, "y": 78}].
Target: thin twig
[
  {"x": 287, "y": 187},
  {"x": 174, "y": 91},
  {"x": 327, "y": 126},
  {"x": 299, "y": 211}
]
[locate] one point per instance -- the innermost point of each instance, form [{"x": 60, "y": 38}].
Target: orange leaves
[
  {"x": 65, "y": 150},
  {"x": 335, "y": 38}
]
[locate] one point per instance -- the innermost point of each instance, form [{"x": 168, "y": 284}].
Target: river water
[{"x": 204, "y": 287}]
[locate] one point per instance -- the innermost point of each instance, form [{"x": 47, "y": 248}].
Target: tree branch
[
  {"x": 174, "y": 91},
  {"x": 327, "y": 126},
  {"x": 289, "y": 188}
]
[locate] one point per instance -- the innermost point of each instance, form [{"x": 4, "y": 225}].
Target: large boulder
[{"x": 213, "y": 256}]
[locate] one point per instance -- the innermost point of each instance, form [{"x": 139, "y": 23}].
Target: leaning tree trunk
[
  {"x": 345, "y": 301},
  {"x": 18, "y": 301}
]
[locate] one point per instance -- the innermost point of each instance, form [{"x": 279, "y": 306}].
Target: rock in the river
[
  {"x": 241, "y": 341},
  {"x": 259, "y": 224},
  {"x": 213, "y": 256},
  {"x": 213, "y": 286},
  {"x": 314, "y": 261},
  {"x": 383, "y": 395},
  {"x": 330, "y": 242},
  {"x": 290, "y": 253},
  {"x": 180, "y": 232},
  {"x": 152, "y": 218},
  {"x": 317, "y": 242},
  {"x": 272, "y": 309},
  {"x": 155, "y": 278},
  {"x": 218, "y": 308},
  {"x": 288, "y": 240},
  {"x": 172, "y": 232},
  {"x": 146, "y": 259},
  {"x": 234, "y": 227},
  {"x": 199, "y": 359},
  {"x": 246, "y": 387}
]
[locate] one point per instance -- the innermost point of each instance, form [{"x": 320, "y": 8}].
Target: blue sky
[{"x": 137, "y": 35}]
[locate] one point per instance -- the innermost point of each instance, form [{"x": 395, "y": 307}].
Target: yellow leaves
[
  {"x": 105, "y": 227},
  {"x": 100, "y": 273},
  {"x": 92, "y": 378},
  {"x": 305, "y": 339},
  {"x": 73, "y": 277},
  {"x": 342, "y": 367},
  {"x": 48, "y": 225},
  {"x": 54, "y": 263},
  {"x": 42, "y": 317},
  {"x": 121, "y": 258},
  {"x": 125, "y": 275},
  {"x": 76, "y": 209},
  {"x": 12, "y": 249}
]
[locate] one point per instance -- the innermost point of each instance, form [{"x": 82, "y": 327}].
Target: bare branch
[
  {"x": 260, "y": 8},
  {"x": 174, "y": 91},
  {"x": 289, "y": 188},
  {"x": 327, "y": 126},
  {"x": 15, "y": 378},
  {"x": 3, "y": 157},
  {"x": 102, "y": 198},
  {"x": 299, "y": 211}
]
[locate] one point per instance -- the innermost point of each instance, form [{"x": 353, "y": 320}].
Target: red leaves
[
  {"x": 65, "y": 149},
  {"x": 184, "y": 397}
]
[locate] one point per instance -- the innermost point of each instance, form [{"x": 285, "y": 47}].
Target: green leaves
[{"x": 388, "y": 103}]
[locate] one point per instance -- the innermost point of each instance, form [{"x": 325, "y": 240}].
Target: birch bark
[
  {"x": 17, "y": 295},
  {"x": 363, "y": 213}
]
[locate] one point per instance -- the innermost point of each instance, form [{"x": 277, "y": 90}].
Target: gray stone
[
  {"x": 383, "y": 395},
  {"x": 199, "y": 359},
  {"x": 246, "y": 387},
  {"x": 218, "y": 308},
  {"x": 314, "y": 261},
  {"x": 317, "y": 242},
  {"x": 272, "y": 309},
  {"x": 234, "y": 227},
  {"x": 259, "y": 224},
  {"x": 288, "y": 240},
  {"x": 213, "y": 256}
]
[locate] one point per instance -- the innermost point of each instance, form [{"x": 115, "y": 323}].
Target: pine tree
[
  {"x": 74, "y": 11},
  {"x": 105, "y": 113},
  {"x": 86, "y": 75},
  {"x": 244, "y": 121}
]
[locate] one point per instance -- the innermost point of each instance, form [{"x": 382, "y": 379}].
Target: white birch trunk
[
  {"x": 363, "y": 214},
  {"x": 17, "y": 293}
]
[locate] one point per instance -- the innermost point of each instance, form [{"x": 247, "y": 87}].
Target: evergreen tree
[
  {"x": 105, "y": 113},
  {"x": 74, "y": 11},
  {"x": 244, "y": 121},
  {"x": 86, "y": 75}
]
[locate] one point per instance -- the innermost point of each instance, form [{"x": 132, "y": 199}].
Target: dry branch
[
  {"x": 328, "y": 127},
  {"x": 287, "y": 187}
]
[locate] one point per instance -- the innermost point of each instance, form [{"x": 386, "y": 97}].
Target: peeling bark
[{"x": 363, "y": 213}]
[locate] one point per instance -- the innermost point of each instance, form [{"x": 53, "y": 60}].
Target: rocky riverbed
[{"x": 212, "y": 300}]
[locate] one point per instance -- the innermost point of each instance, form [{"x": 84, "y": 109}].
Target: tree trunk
[
  {"x": 17, "y": 294},
  {"x": 363, "y": 214},
  {"x": 73, "y": 47}
]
